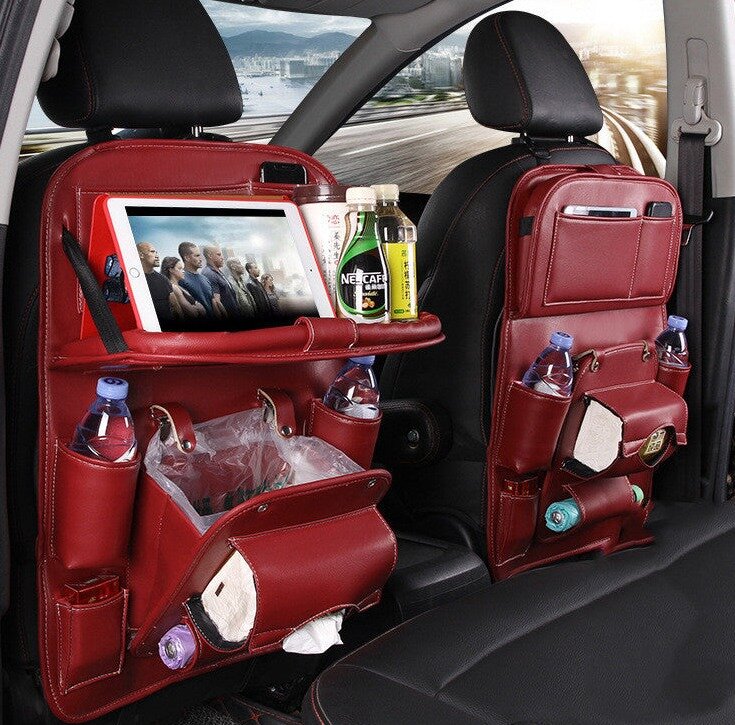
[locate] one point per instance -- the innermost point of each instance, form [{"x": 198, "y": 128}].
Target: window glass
[
  {"x": 278, "y": 57},
  {"x": 420, "y": 128}
]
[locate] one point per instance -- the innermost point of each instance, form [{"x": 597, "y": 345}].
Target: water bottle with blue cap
[
  {"x": 354, "y": 391},
  {"x": 671, "y": 344},
  {"x": 552, "y": 372},
  {"x": 564, "y": 515},
  {"x": 106, "y": 431}
]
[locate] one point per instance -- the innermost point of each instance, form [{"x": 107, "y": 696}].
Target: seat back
[
  {"x": 520, "y": 75},
  {"x": 120, "y": 66}
]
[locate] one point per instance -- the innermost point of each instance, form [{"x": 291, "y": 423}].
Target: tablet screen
[{"x": 220, "y": 269}]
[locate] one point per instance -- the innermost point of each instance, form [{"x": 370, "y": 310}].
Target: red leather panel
[
  {"x": 185, "y": 561},
  {"x": 606, "y": 282},
  {"x": 339, "y": 566},
  {"x": 673, "y": 378},
  {"x": 581, "y": 264},
  {"x": 353, "y": 436},
  {"x": 530, "y": 429},
  {"x": 516, "y": 518},
  {"x": 93, "y": 509},
  {"x": 92, "y": 640},
  {"x": 209, "y": 375},
  {"x": 603, "y": 499}
]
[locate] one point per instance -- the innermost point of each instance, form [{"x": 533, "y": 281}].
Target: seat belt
[{"x": 688, "y": 297}]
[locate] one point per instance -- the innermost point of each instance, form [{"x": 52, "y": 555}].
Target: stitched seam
[
  {"x": 524, "y": 100},
  {"x": 635, "y": 261}
]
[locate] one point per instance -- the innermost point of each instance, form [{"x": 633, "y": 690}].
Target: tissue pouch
[{"x": 623, "y": 429}]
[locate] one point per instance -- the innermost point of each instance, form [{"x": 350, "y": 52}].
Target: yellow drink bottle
[{"x": 398, "y": 238}]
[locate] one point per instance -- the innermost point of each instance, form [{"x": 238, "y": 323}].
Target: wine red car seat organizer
[
  {"x": 606, "y": 281},
  {"x": 314, "y": 548}
]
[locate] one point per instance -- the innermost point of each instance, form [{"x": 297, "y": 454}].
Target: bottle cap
[
  {"x": 638, "y": 494},
  {"x": 360, "y": 195},
  {"x": 318, "y": 193},
  {"x": 112, "y": 388},
  {"x": 177, "y": 647},
  {"x": 386, "y": 192},
  {"x": 562, "y": 340},
  {"x": 678, "y": 323},
  {"x": 366, "y": 360}
]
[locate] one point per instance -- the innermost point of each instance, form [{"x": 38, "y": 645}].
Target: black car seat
[
  {"x": 520, "y": 75},
  {"x": 136, "y": 65}
]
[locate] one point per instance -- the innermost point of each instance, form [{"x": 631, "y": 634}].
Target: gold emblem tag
[{"x": 654, "y": 445}]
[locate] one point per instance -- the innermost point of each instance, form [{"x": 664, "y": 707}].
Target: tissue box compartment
[{"x": 623, "y": 429}]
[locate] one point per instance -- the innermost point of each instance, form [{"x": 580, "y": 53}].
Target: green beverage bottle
[{"x": 362, "y": 274}]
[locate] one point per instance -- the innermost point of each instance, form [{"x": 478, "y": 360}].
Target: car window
[
  {"x": 278, "y": 57},
  {"x": 424, "y": 129}
]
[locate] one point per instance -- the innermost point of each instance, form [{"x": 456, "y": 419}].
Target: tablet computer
[{"x": 212, "y": 265}]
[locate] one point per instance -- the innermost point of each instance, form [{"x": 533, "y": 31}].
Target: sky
[{"x": 616, "y": 14}]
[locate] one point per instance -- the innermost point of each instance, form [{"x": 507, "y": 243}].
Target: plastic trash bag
[{"x": 237, "y": 457}]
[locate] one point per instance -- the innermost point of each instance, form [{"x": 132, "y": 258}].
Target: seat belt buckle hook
[
  {"x": 691, "y": 222},
  {"x": 694, "y": 119}
]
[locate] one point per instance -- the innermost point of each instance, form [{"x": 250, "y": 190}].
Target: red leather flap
[
  {"x": 603, "y": 498},
  {"x": 340, "y": 562},
  {"x": 185, "y": 560},
  {"x": 644, "y": 408},
  {"x": 280, "y": 406},
  {"x": 571, "y": 264}
]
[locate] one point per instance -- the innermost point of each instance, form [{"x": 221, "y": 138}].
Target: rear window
[{"x": 417, "y": 128}]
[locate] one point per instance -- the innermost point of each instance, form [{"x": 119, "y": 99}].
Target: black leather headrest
[
  {"x": 141, "y": 64},
  {"x": 520, "y": 74}
]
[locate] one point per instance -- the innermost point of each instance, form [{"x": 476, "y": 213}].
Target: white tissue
[
  {"x": 230, "y": 599},
  {"x": 316, "y": 636},
  {"x": 599, "y": 437}
]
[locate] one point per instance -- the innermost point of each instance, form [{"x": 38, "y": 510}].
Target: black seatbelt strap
[
  {"x": 105, "y": 321},
  {"x": 688, "y": 302}
]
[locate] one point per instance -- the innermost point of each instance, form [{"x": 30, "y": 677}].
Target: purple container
[{"x": 177, "y": 647}]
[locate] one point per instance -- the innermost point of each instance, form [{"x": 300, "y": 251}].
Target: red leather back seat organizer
[
  {"x": 314, "y": 548},
  {"x": 605, "y": 281}
]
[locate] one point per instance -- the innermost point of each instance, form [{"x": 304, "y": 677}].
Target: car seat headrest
[
  {"x": 141, "y": 64},
  {"x": 521, "y": 74}
]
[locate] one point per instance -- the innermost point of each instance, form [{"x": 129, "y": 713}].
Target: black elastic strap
[
  {"x": 103, "y": 318},
  {"x": 688, "y": 303}
]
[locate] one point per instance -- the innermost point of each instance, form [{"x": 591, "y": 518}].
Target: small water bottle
[
  {"x": 177, "y": 647},
  {"x": 106, "y": 431},
  {"x": 354, "y": 391},
  {"x": 671, "y": 344},
  {"x": 552, "y": 372},
  {"x": 564, "y": 515}
]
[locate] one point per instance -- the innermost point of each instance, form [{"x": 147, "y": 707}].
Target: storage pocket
[
  {"x": 530, "y": 428},
  {"x": 518, "y": 512},
  {"x": 313, "y": 548},
  {"x": 602, "y": 499},
  {"x": 91, "y": 640},
  {"x": 673, "y": 378},
  {"x": 92, "y": 510},
  {"x": 355, "y": 437},
  {"x": 623, "y": 429},
  {"x": 595, "y": 259}
]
